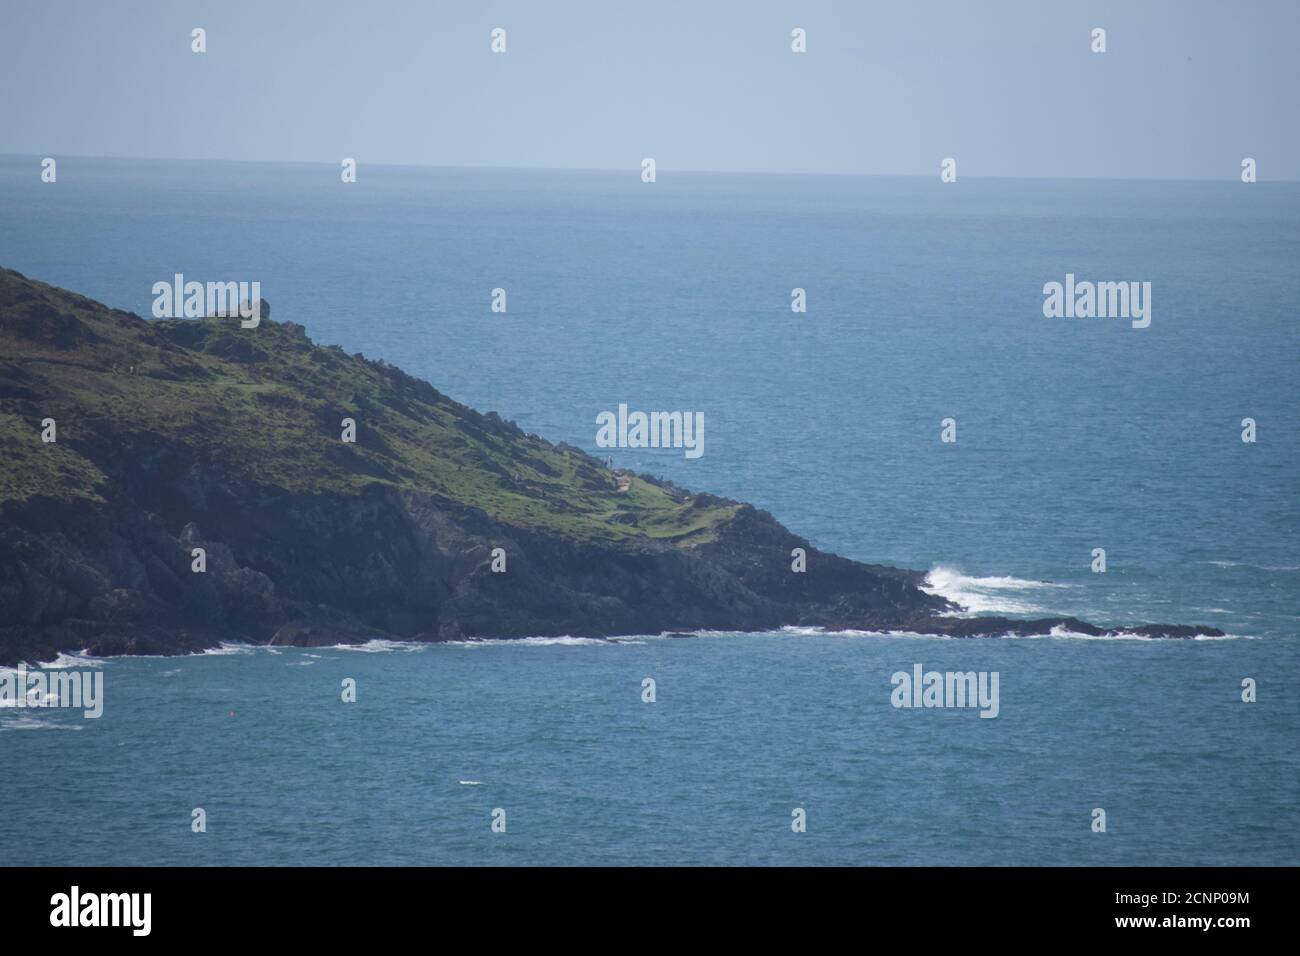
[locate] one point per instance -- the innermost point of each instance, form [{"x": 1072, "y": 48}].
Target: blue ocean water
[{"x": 924, "y": 302}]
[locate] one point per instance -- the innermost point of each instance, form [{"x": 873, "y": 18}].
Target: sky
[{"x": 1006, "y": 87}]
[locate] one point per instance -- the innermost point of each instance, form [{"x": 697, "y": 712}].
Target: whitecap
[
  {"x": 27, "y": 722},
  {"x": 980, "y": 595},
  {"x": 856, "y": 632},
  {"x": 1062, "y": 632},
  {"x": 562, "y": 641},
  {"x": 379, "y": 646},
  {"x": 226, "y": 648},
  {"x": 71, "y": 661}
]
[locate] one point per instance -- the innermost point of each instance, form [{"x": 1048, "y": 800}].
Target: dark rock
[{"x": 380, "y": 555}]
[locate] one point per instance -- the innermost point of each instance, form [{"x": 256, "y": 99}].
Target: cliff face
[{"x": 182, "y": 434}]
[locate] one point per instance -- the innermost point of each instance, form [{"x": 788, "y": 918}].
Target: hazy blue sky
[{"x": 1008, "y": 87}]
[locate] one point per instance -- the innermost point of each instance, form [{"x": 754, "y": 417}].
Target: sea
[{"x": 924, "y": 303}]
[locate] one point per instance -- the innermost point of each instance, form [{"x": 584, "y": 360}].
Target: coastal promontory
[{"x": 166, "y": 485}]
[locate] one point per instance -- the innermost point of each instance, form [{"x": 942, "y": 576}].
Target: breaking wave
[
  {"x": 70, "y": 661},
  {"x": 379, "y": 646},
  {"x": 563, "y": 641},
  {"x": 987, "y": 595}
]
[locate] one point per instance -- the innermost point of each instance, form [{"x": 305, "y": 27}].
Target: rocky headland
[{"x": 183, "y": 436}]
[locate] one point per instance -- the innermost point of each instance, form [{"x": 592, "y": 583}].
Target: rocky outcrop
[{"x": 317, "y": 542}]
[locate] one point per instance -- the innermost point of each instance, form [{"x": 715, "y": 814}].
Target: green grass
[{"x": 264, "y": 405}]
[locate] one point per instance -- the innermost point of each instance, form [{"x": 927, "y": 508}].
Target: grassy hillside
[{"x": 265, "y": 405}]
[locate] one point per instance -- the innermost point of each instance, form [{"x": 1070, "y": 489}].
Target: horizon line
[{"x": 633, "y": 169}]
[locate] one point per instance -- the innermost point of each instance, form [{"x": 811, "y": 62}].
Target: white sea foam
[
  {"x": 562, "y": 641},
  {"x": 1064, "y": 632},
  {"x": 71, "y": 662},
  {"x": 983, "y": 595},
  {"x": 380, "y": 646},
  {"x": 1057, "y": 632},
  {"x": 854, "y": 632},
  {"x": 28, "y": 722},
  {"x": 227, "y": 648},
  {"x": 1061, "y": 632}
]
